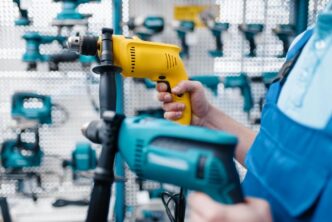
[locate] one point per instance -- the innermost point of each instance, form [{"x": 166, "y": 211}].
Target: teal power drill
[
  {"x": 24, "y": 19},
  {"x": 191, "y": 157}
]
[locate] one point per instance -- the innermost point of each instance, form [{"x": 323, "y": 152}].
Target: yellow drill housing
[{"x": 156, "y": 61}]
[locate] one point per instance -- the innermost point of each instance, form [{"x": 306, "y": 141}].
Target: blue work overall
[{"x": 289, "y": 163}]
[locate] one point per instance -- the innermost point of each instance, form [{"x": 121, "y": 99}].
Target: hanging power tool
[
  {"x": 26, "y": 107},
  {"x": 69, "y": 16},
  {"x": 24, "y": 19},
  {"x": 146, "y": 27},
  {"x": 83, "y": 158},
  {"x": 250, "y": 31},
  {"x": 183, "y": 28},
  {"x": 33, "y": 42},
  {"x": 131, "y": 55},
  {"x": 191, "y": 157},
  {"x": 285, "y": 33},
  {"x": 216, "y": 28}
]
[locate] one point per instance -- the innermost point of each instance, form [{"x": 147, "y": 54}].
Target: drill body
[
  {"x": 155, "y": 61},
  {"x": 142, "y": 59},
  {"x": 190, "y": 157}
]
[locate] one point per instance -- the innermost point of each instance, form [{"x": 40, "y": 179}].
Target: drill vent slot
[
  {"x": 132, "y": 58},
  {"x": 171, "y": 61},
  {"x": 214, "y": 174},
  {"x": 138, "y": 156}
]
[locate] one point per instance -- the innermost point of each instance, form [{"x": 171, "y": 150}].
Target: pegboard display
[{"x": 73, "y": 88}]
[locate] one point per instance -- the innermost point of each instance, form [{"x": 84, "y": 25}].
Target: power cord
[
  {"x": 179, "y": 202},
  {"x": 64, "y": 202}
]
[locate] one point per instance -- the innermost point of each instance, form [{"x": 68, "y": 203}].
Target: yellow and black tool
[{"x": 141, "y": 59}]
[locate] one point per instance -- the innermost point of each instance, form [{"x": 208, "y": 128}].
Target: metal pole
[
  {"x": 119, "y": 208},
  {"x": 301, "y": 15}
]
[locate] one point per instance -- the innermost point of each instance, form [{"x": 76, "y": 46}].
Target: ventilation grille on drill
[
  {"x": 171, "y": 61},
  {"x": 138, "y": 157},
  {"x": 133, "y": 58},
  {"x": 214, "y": 174}
]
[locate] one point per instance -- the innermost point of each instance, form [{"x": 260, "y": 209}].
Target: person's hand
[
  {"x": 203, "y": 208},
  {"x": 174, "y": 110}
]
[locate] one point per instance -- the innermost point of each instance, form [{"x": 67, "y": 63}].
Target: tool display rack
[{"x": 68, "y": 86}]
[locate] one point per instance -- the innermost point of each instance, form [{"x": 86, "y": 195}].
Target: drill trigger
[{"x": 168, "y": 85}]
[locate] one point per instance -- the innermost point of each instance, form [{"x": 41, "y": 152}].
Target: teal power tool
[
  {"x": 33, "y": 42},
  {"x": 217, "y": 29},
  {"x": 155, "y": 149},
  {"x": 182, "y": 30},
  {"x": 147, "y": 27},
  {"x": 17, "y": 154},
  {"x": 242, "y": 82},
  {"x": 69, "y": 9},
  {"x": 285, "y": 33},
  {"x": 83, "y": 158},
  {"x": 24, "y": 19},
  {"x": 69, "y": 16},
  {"x": 250, "y": 31},
  {"x": 32, "y": 106}
]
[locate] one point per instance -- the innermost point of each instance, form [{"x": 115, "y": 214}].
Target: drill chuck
[{"x": 84, "y": 45}]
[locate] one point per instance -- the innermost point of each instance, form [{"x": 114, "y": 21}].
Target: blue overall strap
[{"x": 299, "y": 43}]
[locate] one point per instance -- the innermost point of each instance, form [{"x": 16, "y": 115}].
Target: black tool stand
[{"x": 104, "y": 175}]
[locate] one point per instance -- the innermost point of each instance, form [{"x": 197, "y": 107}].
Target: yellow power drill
[{"x": 142, "y": 59}]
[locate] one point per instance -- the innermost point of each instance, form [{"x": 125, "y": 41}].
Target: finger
[
  {"x": 161, "y": 87},
  {"x": 186, "y": 86},
  {"x": 205, "y": 209},
  {"x": 172, "y": 115},
  {"x": 164, "y": 97},
  {"x": 173, "y": 107}
]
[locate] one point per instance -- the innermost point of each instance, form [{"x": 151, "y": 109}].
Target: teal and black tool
[
  {"x": 147, "y": 27},
  {"x": 17, "y": 154},
  {"x": 182, "y": 30},
  {"x": 69, "y": 9},
  {"x": 24, "y": 19},
  {"x": 285, "y": 33},
  {"x": 250, "y": 31},
  {"x": 191, "y": 157},
  {"x": 33, "y": 40},
  {"x": 242, "y": 82},
  {"x": 32, "y": 106},
  {"x": 83, "y": 158},
  {"x": 217, "y": 29}
]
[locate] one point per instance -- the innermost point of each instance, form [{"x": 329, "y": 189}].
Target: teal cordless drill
[
  {"x": 182, "y": 31},
  {"x": 250, "y": 31},
  {"x": 152, "y": 25},
  {"x": 24, "y": 19},
  {"x": 285, "y": 33}
]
